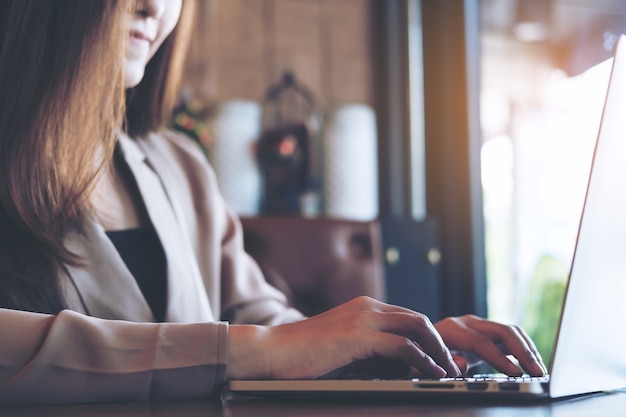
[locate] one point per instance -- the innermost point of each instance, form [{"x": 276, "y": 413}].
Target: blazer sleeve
[
  {"x": 73, "y": 358},
  {"x": 247, "y": 296}
]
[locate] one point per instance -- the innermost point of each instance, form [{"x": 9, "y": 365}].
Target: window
[{"x": 543, "y": 81}]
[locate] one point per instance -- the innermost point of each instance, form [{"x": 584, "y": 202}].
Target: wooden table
[{"x": 600, "y": 405}]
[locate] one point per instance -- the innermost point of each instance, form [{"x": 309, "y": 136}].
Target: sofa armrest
[{"x": 318, "y": 263}]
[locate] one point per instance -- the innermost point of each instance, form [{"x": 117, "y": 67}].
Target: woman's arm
[{"x": 72, "y": 358}]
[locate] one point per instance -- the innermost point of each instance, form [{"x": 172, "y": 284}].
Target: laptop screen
[{"x": 589, "y": 352}]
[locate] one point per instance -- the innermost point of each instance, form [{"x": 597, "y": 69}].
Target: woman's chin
[{"x": 132, "y": 76}]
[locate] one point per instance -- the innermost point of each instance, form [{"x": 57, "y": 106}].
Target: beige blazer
[{"x": 105, "y": 346}]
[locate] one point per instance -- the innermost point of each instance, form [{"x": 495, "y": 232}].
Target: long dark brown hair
[{"x": 62, "y": 101}]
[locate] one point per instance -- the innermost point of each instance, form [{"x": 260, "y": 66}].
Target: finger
[
  {"x": 491, "y": 352},
  {"x": 520, "y": 345},
  {"x": 516, "y": 343},
  {"x": 412, "y": 325},
  {"x": 532, "y": 345},
  {"x": 512, "y": 340},
  {"x": 393, "y": 346},
  {"x": 461, "y": 363},
  {"x": 389, "y": 308},
  {"x": 418, "y": 328}
]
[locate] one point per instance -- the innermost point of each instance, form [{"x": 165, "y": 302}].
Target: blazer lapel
[
  {"x": 104, "y": 287},
  {"x": 187, "y": 299}
]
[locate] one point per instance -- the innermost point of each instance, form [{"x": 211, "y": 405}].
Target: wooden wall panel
[
  {"x": 240, "y": 51},
  {"x": 350, "y": 52},
  {"x": 296, "y": 40},
  {"x": 199, "y": 72},
  {"x": 241, "y": 47}
]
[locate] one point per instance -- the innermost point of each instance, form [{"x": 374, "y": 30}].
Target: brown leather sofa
[{"x": 318, "y": 262}]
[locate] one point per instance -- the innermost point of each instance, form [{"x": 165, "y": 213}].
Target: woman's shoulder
[
  {"x": 169, "y": 151},
  {"x": 176, "y": 142}
]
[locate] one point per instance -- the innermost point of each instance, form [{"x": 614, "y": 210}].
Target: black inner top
[{"x": 143, "y": 254}]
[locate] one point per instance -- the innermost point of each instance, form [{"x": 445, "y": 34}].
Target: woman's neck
[{"x": 116, "y": 199}]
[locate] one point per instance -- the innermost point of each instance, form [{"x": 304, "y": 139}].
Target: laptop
[{"x": 589, "y": 354}]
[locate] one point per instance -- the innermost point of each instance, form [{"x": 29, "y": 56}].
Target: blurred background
[{"x": 466, "y": 126}]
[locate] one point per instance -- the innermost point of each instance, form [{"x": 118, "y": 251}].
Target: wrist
[{"x": 248, "y": 353}]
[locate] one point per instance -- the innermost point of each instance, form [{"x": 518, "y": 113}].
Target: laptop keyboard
[{"x": 503, "y": 378}]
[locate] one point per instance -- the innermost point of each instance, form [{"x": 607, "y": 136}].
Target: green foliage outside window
[{"x": 544, "y": 304}]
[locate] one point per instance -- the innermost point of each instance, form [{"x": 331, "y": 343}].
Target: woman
[{"x": 90, "y": 315}]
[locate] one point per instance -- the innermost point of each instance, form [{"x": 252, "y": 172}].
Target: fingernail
[
  {"x": 456, "y": 369},
  {"x": 440, "y": 372},
  {"x": 514, "y": 370},
  {"x": 541, "y": 367}
]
